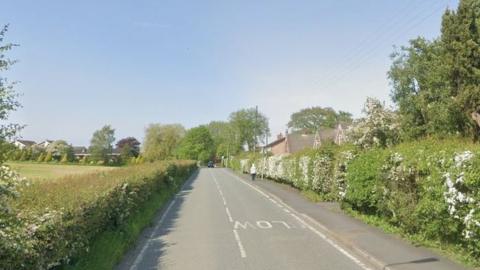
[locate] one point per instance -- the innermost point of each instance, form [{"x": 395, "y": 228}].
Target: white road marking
[
  {"x": 147, "y": 244},
  {"x": 243, "y": 254},
  {"x": 301, "y": 221},
  {"x": 218, "y": 188},
  {"x": 229, "y": 215}
]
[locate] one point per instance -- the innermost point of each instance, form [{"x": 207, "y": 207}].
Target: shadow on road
[{"x": 425, "y": 260}]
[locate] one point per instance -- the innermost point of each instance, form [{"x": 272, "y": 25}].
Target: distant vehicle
[{"x": 210, "y": 164}]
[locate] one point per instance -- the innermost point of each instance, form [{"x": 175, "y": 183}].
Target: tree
[
  {"x": 197, "y": 145},
  {"x": 379, "y": 127},
  {"x": 161, "y": 140},
  {"x": 310, "y": 120},
  {"x": 129, "y": 147},
  {"x": 436, "y": 84},
  {"x": 461, "y": 42},
  {"x": 48, "y": 157},
  {"x": 101, "y": 144},
  {"x": 8, "y": 97},
  {"x": 249, "y": 125},
  {"x": 224, "y": 137},
  {"x": 59, "y": 149}
]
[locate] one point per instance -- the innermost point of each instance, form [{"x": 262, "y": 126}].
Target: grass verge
[{"x": 449, "y": 251}]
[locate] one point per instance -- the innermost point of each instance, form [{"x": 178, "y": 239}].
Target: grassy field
[{"x": 39, "y": 171}]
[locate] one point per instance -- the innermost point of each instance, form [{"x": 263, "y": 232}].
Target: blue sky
[{"x": 83, "y": 64}]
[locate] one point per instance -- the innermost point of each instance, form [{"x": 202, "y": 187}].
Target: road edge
[{"x": 369, "y": 258}]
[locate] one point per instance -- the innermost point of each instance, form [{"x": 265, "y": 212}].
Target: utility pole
[
  {"x": 265, "y": 154},
  {"x": 255, "y": 130}
]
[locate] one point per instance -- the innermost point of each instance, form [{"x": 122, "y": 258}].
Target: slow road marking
[{"x": 302, "y": 222}]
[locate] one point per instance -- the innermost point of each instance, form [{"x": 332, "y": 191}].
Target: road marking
[
  {"x": 263, "y": 224},
  {"x": 218, "y": 188},
  {"x": 147, "y": 244},
  {"x": 240, "y": 245},
  {"x": 302, "y": 222},
  {"x": 229, "y": 215}
]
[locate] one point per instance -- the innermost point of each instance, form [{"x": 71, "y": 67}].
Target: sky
[{"x": 84, "y": 64}]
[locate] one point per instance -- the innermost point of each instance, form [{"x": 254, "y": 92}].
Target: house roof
[
  {"x": 26, "y": 142},
  {"x": 275, "y": 142},
  {"x": 80, "y": 150}
]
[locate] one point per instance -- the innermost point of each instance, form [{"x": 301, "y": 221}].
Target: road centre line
[
  {"x": 243, "y": 254},
  {"x": 304, "y": 223},
  {"x": 229, "y": 215}
]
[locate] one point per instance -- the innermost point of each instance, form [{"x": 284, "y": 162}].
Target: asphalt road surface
[{"x": 220, "y": 221}]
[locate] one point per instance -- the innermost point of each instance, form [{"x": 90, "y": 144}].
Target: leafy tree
[
  {"x": 129, "y": 147},
  {"x": 101, "y": 144},
  {"x": 161, "y": 140},
  {"x": 309, "y": 120},
  {"x": 461, "y": 42},
  {"x": 48, "y": 157},
  {"x": 197, "y": 145},
  {"x": 41, "y": 157},
  {"x": 379, "y": 127},
  {"x": 8, "y": 97},
  {"x": 61, "y": 148},
  {"x": 249, "y": 125},
  {"x": 436, "y": 84},
  {"x": 225, "y": 139}
]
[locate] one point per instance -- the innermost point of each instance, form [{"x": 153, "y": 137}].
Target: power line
[{"x": 368, "y": 54}]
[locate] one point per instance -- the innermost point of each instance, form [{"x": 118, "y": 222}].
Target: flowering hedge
[
  {"x": 52, "y": 222},
  {"x": 429, "y": 188}
]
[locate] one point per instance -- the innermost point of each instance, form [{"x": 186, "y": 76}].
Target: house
[
  {"x": 22, "y": 144},
  {"x": 291, "y": 143},
  {"x": 44, "y": 144},
  {"x": 80, "y": 152},
  {"x": 296, "y": 142}
]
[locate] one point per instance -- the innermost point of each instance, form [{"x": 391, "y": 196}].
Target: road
[{"x": 220, "y": 221}]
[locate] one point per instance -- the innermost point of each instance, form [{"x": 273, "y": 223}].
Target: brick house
[{"x": 296, "y": 142}]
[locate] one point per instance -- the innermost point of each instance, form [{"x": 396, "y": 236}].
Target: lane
[
  {"x": 194, "y": 234},
  {"x": 219, "y": 221},
  {"x": 273, "y": 236}
]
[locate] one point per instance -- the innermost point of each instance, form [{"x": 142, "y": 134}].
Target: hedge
[
  {"x": 56, "y": 220},
  {"x": 429, "y": 188}
]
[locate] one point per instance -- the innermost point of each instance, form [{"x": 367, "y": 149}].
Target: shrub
[
  {"x": 48, "y": 157},
  {"x": 41, "y": 157},
  {"x": 429, "y": 188},
  {"x": 57, "y": 219}
]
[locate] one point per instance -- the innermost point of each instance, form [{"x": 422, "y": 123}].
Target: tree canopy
[
  {"x": 197, "y": 145},
  {"x": 8, "y": 97},
  {"x": 436, "y": 84},
  {"x": 129, "y": 147},
  {"x": 101, "y": 144},
  {"x": 161, "y": 141},
  {"x": 309, "y": 120},
  {"x": 250, "y": 126},
  {"x": 224, "y": 137}
]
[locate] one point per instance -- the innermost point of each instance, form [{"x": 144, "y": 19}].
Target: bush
[
  {"x": 48, "y": 157},
  {"x": 429, "y": 188},
  {"x": 56, "y": 220}
]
